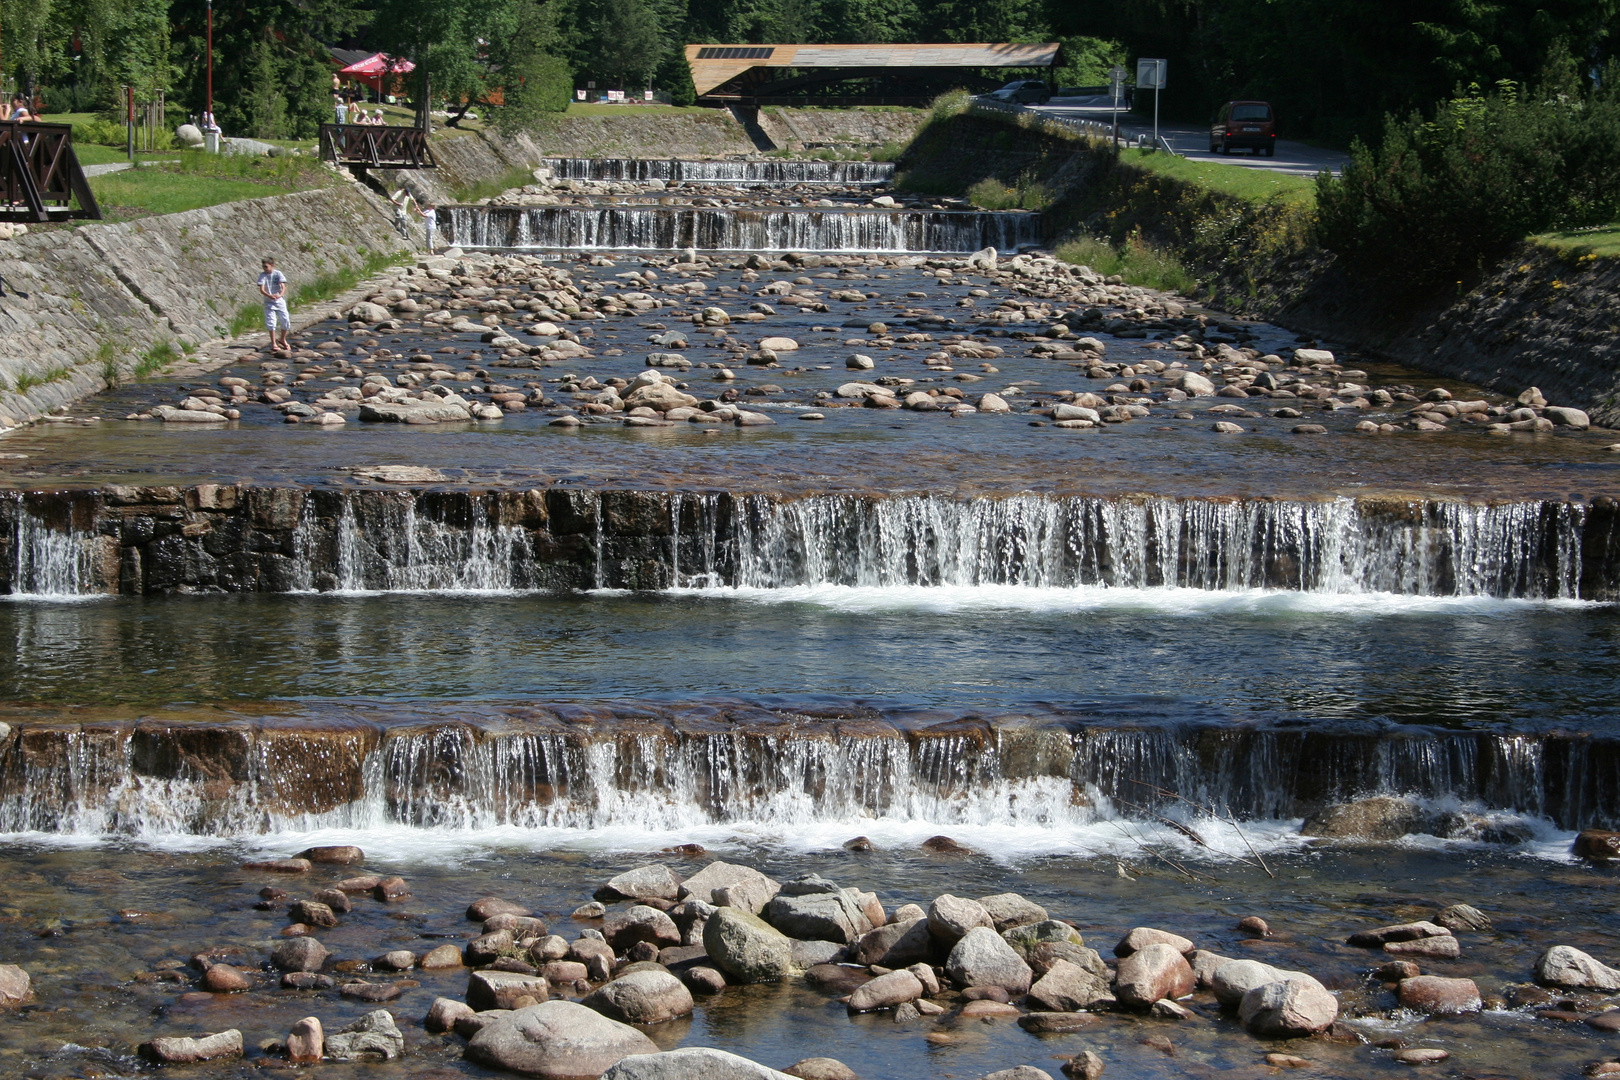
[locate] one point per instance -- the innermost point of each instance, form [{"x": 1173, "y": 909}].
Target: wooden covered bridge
[{"x": 754, "y": 75}]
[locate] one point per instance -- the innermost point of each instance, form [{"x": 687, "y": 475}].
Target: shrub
[{"x": 1438, "y": 199}]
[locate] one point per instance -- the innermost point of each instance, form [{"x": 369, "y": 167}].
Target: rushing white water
[
  {"x": 50, "y": 563},
  {"x": 675, "y": 170},
  {"x": 670, "y": 228},
  {"x": 777, "y": 779},
  {"x": 1076, "y": 552}
]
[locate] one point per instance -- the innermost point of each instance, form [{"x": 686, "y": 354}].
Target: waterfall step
[
  {"x": 670, "y": 228},
  {"x": 659, "y": 766},
  {"x": 283, "y": 539}
]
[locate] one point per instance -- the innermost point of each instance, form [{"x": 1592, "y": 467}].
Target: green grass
[
  {"x": 1256, "y": 185},
  {"x": 1135, "y": 261},
  {"x": 28, "y": 380},
  {"x": 323, "y": 287},
  {"x": 488, "y": 189},
  {"x": 1601, "y": 243},
  {"x": 991, "y": 194},
  {"x": 155, "y": 359},
  {"x": 149, "y": 191},
  {"x": 192, "y": 179}
]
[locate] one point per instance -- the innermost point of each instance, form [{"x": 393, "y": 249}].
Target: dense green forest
[{"x": 1335, "y": 68}]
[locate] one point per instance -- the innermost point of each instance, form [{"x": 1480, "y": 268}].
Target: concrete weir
[
  {"x": 225, "y": 538},
  {"x": 667, "y": 766}
]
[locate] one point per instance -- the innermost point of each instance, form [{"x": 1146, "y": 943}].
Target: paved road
[{"x": 1193, "y": 141}]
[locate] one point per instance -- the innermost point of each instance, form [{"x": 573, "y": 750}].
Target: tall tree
[{"x": 272, "y": 67}]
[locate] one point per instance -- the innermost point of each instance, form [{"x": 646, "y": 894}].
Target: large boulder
[
  {"x": 983, "y": 958},
  {"x": 1068, "y": 987},
  {"x": 1440, "y": 997},
  {"x": 374, "y": 1035},
  {"x": 1149, "y": 974},
  {"x": 1195, "y": 385},
  {"x": 15, "y": 986},
  {"x": 1026, "y": 936},
  {"x": 367, "y": 312},
  {"x": 1288, "y": 1009},
  {"x": 640, "y": 923},
  {"x": 299, "y": 954},
  {"x": 1043, "y": 956},
  {"x": 558, "y": 1040},
  {"x": 1235, "y": 978},
  {"x": 886, "y": 992},
  {"x": 1383, "y": 935},
  {"x": 1568, "y": 967},
  {"x": 184, "y": 1050},
  {"x": 823, "y": 916},
  {"x": 747, "y": 947},
  {"x": 642, "y": 997},
  {"x": 951, "y": 917},
  {"x": 897, "y": 945},
  {"x": 504, "y": 989},
  {"x": 1143, "y": 936},
  {"x": 701, "y": 885},
  {"x": 691, "y": 1063},
  {"x": 1380, "y": 818},
  {"x": 1007, "y": 910},
  {"x": 655, "y": 881},
  {"x": 662, "y": 397}
]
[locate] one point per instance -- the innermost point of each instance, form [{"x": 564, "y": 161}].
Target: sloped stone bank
[
  {"x": 82, "y": 303},
  {"x": 1539, "y": 318}
]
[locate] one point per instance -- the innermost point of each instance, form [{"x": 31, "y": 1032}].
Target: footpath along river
[{"x": 540, "y": 570}]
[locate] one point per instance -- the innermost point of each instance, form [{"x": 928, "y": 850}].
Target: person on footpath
[{"x": 277, "y": 320}]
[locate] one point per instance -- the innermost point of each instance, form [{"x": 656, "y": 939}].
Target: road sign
[
  {"x": 1116, "y": 75},
  {"x": 1150, "y": 74}
]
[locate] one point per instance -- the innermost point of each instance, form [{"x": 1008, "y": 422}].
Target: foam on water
[{"x": 1104, "y": 599}]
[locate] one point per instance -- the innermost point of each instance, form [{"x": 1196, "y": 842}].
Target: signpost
[
  {"x": 1116, "y": 87},
  {"x": 1150, "y": 75}
]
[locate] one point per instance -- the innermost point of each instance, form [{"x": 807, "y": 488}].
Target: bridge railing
[
  {"x": 40, "y": 173},
  {"x": 376, "y": 145}
]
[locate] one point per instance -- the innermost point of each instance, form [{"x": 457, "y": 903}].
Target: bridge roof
[{"x": 714, "y": 65}]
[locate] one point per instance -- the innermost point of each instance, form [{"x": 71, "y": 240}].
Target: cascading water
[
  {"x": 669, "y": 228},
  {"x": 675, "y": 170},
  {"x": 397, "y": 541},
  {"x": 655, "y": 770}
]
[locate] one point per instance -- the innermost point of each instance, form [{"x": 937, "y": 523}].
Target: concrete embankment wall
[
  {"x": 1539, "y": 318},
  {"x": 99, "y": 295}
]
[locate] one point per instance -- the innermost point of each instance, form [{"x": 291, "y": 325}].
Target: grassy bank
[
  {"x": 317, "y": 290},
  {"x": 191, "y": 179},
  {"x": 1253, "y": 185},
  {"x": 1598, "y": 243}
]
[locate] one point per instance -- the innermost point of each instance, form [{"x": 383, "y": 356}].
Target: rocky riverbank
[
  {"x": 630, "y": 981},
  {"x": 1539, "y": 318},
  {"x": 87, "y": 307}
]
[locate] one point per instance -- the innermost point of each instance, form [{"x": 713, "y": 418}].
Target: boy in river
[{"x": 277, "y": 320}]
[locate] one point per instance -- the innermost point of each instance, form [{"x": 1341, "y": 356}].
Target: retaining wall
[{"x": 99, "y": 295}]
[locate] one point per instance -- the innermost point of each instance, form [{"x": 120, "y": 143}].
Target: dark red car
[{"x": 1244, "y": 125}]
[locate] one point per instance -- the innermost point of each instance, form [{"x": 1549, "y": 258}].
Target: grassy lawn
[
  {"x": 197, "y": 179},
  {"x": 1253, "y": 184},
  {"x": 1603, "y": 243}
]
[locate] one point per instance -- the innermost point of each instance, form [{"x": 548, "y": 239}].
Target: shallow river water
[{"x": 532, "y": 744}]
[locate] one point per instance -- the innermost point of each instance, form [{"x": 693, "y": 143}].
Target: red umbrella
[{"x": 375, "y": 68}]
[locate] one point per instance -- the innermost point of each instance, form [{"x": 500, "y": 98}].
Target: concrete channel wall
[{"x": 84, "y": 303}]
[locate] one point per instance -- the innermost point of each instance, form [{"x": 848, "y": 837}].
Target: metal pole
[
  {"x": 210, "y": 108},
  {"x": 129, "y": 97},
  {"x": 1156, "y": 113}
]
